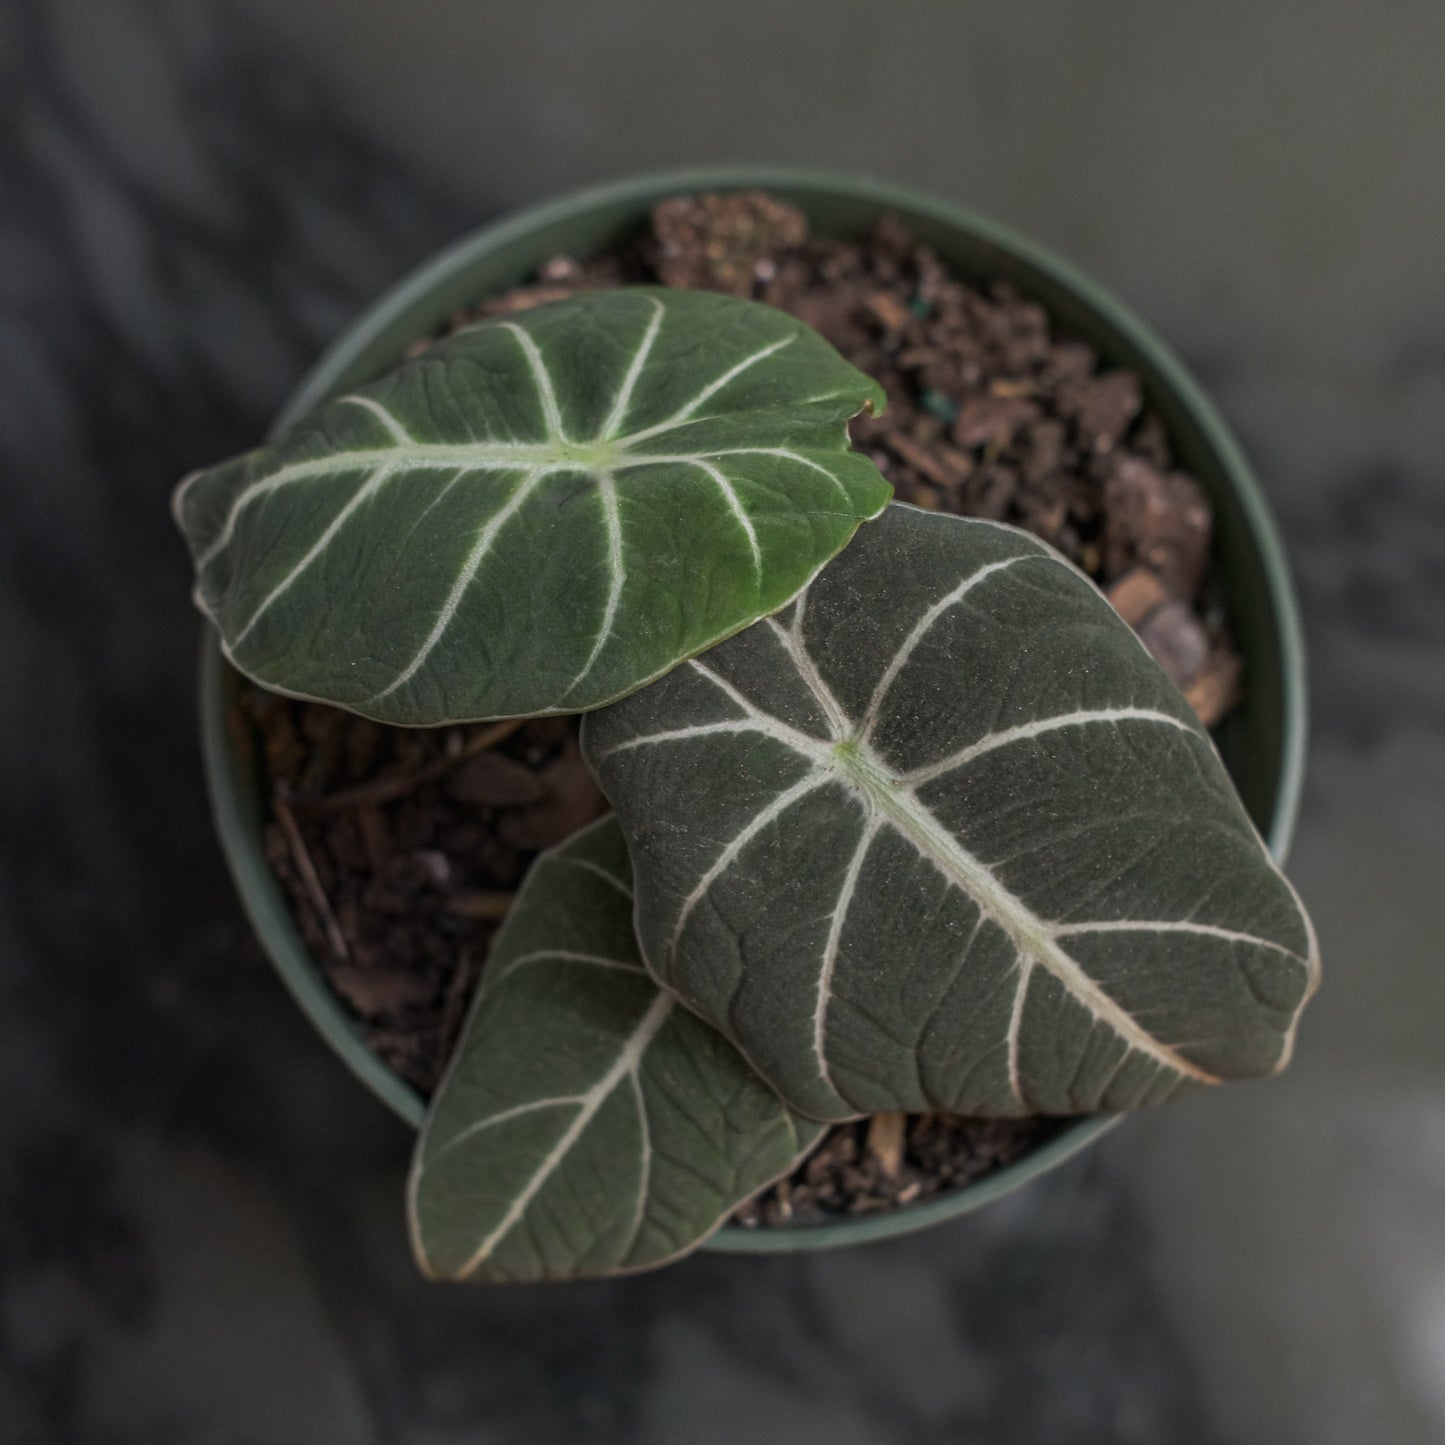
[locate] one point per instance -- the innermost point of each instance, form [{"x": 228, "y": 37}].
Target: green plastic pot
[{"x": 1263, "y": 743}]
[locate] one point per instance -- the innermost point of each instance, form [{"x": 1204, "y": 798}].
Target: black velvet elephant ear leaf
[
  {"x": 540, "y": 513},
  {"x": 942, "y": 836},
  {"x": 588, "y": 1123}
]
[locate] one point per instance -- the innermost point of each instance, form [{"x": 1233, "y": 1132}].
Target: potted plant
[{"x": 851, "y": 750}]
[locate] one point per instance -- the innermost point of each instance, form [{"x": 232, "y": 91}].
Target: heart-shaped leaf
[
  {"x": 942, "y": 836},
  {"x": 539, "y": 514},
  {"x": 588, "y": 1124}
]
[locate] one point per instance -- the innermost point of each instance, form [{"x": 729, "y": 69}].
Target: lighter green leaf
[
  {"x": 942, "y": 836},
  {"x": 588, "y": 1124},
  {"x": 540, "y": 513}
]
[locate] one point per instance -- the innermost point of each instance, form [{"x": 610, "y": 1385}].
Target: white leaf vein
[
  {"x": 623, "y": 400},
  {"x": 485, "y": 538},
  {"x": 628, "y": 1060},
  {"x": 814, "y": 749},
  {"x": 470, "y": 457},
  {"x": 358, "y": 499},
  {"x": 762, "y": 820},
  {"x": 644, "y": 1164},
  {"x": 587, "y": 865},
  {"x": 561, "y": 955},
  {"x": 736, "y": 508},
  {"x": 480, "y": 1126},
  {"x": 387, "y": 418},
  {"x": 541, "y": 379},
  {"x": 616, "y": 574},
  {"x": 924, "y": 625},
  {"x": 833, "y": 943},
  {"x": 685, "y": 412},
  {"x": 697, "y": 733},
  {"x": 792, "y": 639},
  {"x": 648, "y": 459},
  {"x": 1015, "y": 1026},
  {"x": 1005, "y": 736},
  {"x": 1188, "y": 926}
]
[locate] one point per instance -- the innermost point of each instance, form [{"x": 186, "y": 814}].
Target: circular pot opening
[{"x": 1262, "y": 742}]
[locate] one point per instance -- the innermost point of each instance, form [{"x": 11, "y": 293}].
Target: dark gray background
[{"x": 200, "y": 1216}]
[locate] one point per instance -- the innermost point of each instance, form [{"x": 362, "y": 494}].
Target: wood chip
[
  {"x": 375, "y": 837},
  {"x": 458, "y": 996},
  {"x": 1161, "y": 519},
  {"x": 989, "y": 420},
  {"x": 1102, "y": 408},
  {"x": 397, "y": 785},
  {"x": 492, "y": 779},
  {"x": 573, "y": 800},
  {"x": 916, "y": 357},
  {"x": 1012, "y": 386},
  {"x": 1136, "y": 594},
  {"x": 310, "y": 879},
  {"x": 885, "y": 1142},
  {"x": 528, "y": 298},
  {"x": 888, "y": 310},
  {"x": 1217, "y": 689},
  {"x": 492, "y": 905},
  {"x": 1176, "y": 641},
  {"x": 942, "y": 464},
  {"x": 1044, "y": 450},
  {"x": 380, "y": 992}
]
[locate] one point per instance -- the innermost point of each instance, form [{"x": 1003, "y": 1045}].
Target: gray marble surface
[{"x": 200, "y": 1225}]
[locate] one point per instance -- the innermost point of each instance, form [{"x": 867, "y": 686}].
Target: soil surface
[{"x": 401, "y": 849}]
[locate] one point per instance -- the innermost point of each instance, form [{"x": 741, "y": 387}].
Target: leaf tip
[
  {"x": 178, "y": 496},
  {"x": 420, "y": 1257},
  {"x": 875, "y": 399}
]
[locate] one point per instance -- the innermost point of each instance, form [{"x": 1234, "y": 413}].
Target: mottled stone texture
[
  {"x": 200, "y": 1214},
  {"x": 202, "y": 1219}
]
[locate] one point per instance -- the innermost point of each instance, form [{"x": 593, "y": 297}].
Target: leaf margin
[
  {"x": 811, "y": 749},
  {"x": 806, "y": 1133},
  {"x": 870, "y": 398}
]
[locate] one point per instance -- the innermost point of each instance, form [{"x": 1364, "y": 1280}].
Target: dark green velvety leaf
[
  {"x": 540, "y": 513},
  {"x": 942, "y": 836},
  {"x": 588, "y": 1123}
]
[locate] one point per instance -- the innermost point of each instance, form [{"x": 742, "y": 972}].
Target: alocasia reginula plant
[
  {"x": 906, "y": 820},
  {"x": 588, "y": 1122}
]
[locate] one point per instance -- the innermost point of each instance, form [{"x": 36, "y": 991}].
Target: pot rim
[{"x": 226, "y": 776}]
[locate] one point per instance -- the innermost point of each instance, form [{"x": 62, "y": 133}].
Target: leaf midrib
[
  {"x": 544, "y": 459},
  {"x": 627, "y": 1062},
  {"x": 1035, "y": 941},
  {"x": 885, "y": 794}
]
